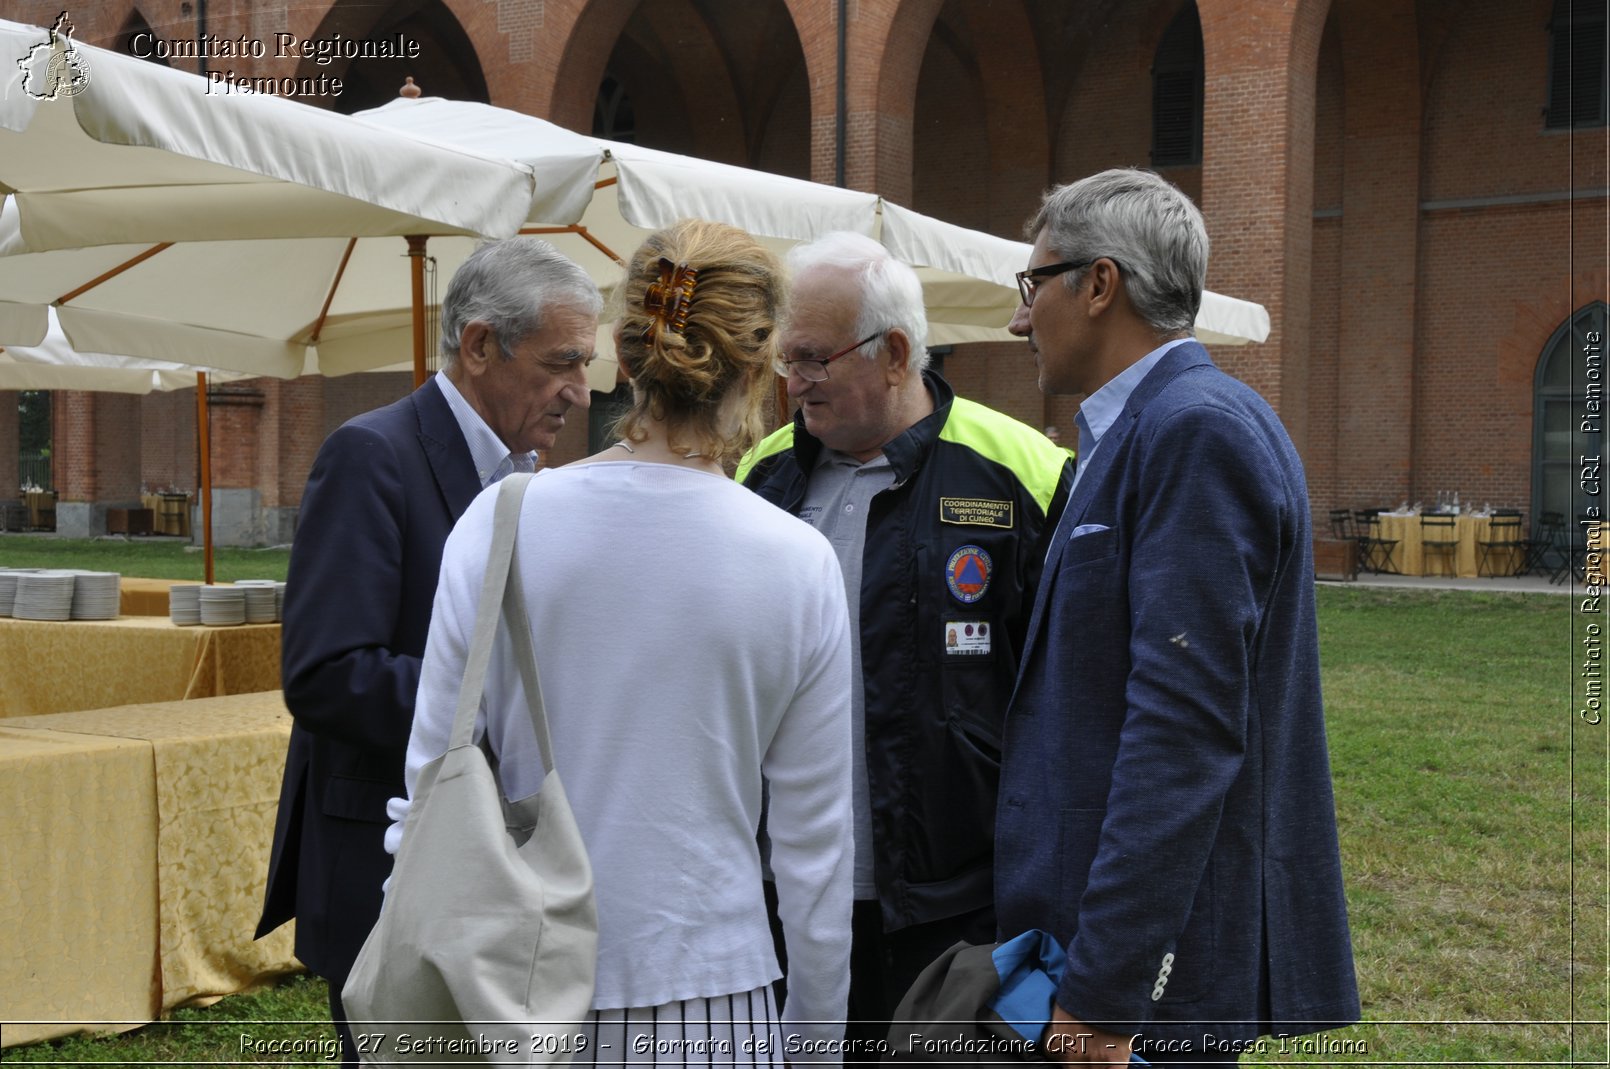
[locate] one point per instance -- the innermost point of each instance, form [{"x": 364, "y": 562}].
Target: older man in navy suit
[
  {"x": 518, "y": 328},
  {"x": 1165, "y": 807}
]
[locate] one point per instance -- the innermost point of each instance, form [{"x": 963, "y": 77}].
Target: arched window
[
  {"x": 1568, "y": 412},
  {"x": 613, "y": 119},
  {"x": 1577, "y": 65},
  {"x": 1177, "y": 80}
]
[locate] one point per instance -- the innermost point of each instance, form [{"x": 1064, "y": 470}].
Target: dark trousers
[{"x": 338, "y": 1016}]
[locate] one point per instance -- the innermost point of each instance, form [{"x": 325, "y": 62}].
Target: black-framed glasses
[
  {"x": 814, "y": 368},
  {"x": 1029, "y": 281}
]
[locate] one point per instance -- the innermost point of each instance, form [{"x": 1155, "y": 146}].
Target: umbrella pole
[
  {"x": 416, "y": 270},
  {"x": 204, "y": 438}
]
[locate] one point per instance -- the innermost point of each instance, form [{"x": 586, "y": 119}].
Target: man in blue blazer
[
  {"x": 1165, "y": 805},
  {"x": 518, "y": 327}
]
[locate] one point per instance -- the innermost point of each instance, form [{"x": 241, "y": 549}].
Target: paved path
[{"x": 1523, "y": 584}]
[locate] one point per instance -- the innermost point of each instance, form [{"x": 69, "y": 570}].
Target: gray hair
[
  {"x": 891, "y": 293},
  {"x": 509, "y": 284},
  {"x": 1142, "y": 221}
]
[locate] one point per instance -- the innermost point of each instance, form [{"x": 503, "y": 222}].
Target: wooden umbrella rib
[
  {"x": 581, "y": 232},
  {"x": 114, "y": 272},
  {"x": 329, "y": 298}
]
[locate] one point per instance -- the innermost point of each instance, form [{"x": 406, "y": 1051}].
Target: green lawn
[
  {"x": 1472, "y": 804},
  {"x": 152, "y": 558}
]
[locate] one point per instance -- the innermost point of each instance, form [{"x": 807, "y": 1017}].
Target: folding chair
[
  {"x": 1439, "y": 536},
  {"x": 1545, "y": 544},
  {"x": 1575, "y": 562},
  {"x": 1341, "y": 525},
  {"x": 1505, "y": 539},
  {"x": 1375, "y": 552}
]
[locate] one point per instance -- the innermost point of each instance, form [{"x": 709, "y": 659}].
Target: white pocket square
[{"x": 1088, "y": 529}]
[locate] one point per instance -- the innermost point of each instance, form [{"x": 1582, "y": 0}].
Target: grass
[
  {"x": 1472, "y": 802},
  {"x": 151, "y": 558}
]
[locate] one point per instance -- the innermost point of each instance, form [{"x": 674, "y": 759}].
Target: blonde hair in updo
[{"x": 729, "y": 343}]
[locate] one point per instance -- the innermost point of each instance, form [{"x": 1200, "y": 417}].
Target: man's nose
[
  {"x": 577, "y": 393},
  {"x": 797, "y": 384},
  {"x": 1019, "y": 323}
]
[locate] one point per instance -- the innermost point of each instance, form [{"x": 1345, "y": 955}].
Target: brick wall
[
  {"x": 168, "y": 441},
  {"x": 9, "y": 445},
  {"x": 1414, "y": 258}
]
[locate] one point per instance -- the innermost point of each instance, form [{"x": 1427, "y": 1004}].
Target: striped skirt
[{"x": 740, "y": 1029}]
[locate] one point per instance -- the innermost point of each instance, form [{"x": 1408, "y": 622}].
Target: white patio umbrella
[
  {"x": 54, "y": 364},
  {"x": 598, "y": 199},
  {"x": 105, "y": 171},
  {"x": 142, "y": 157}
]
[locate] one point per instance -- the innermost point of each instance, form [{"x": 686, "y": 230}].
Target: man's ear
[
  {"x": 1104, "y": 282},
  {"x": 899, "y": 356},
  {"x": 477, "y": 347}
]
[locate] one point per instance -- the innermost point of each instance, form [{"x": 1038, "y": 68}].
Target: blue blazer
[
  {"x": 1165, "y": 802},
  {"x": 384, "y": 492}
]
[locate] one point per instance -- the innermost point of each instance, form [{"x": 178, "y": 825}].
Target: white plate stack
[
  {"x": 223, "y": 606},
  {"x": 259, "y": 600},
  {"x": 184, "y": 605},
  {"x": 96, "y": 596},
  {"x": 8, "y": 590},
  {"x": 44, "y": 595},
  {"x": 279, "y": 601}
]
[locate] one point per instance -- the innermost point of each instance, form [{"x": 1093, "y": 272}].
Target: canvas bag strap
[
  {"x": 505, "y": 522},
  {"x": 525, "y": 655}
]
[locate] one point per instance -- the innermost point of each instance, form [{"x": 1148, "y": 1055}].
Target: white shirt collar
[{"x": 492, "y": 457}]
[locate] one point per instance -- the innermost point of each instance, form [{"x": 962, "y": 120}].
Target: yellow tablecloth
[
  {"x": 149, "y": 597},
  {"x": 92, "y": 664},
  {"x": 136, "y": 846},
  {"x": 79, "y": 897},
  {"x": 1409, "y": 556}
]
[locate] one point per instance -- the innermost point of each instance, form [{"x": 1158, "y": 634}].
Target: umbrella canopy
[
  {"x": 598, "y": 199},
  {"x": 208, "y": 228},
  {"x": 54, "y": 364}
]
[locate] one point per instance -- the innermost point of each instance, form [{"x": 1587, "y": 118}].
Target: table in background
[
  {"x": 170, "y": 513},
  {"x": 1409, "y": 556},
  {"x": 41, "y": 506},
  {"x": 149, "y": 597},
  {"x": 136, "y": 846},
  {"x": 53, "y": 667}
]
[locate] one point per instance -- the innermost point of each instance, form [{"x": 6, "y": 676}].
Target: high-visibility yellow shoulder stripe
[
  {"x": 778, "y": 440},
  {"x": 1031, "y": 456}
]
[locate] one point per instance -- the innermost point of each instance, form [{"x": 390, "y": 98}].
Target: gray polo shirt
[{"x": 837, "y": 500}]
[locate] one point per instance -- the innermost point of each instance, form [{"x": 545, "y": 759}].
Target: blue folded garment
[{"x": 1030, "y": 967}]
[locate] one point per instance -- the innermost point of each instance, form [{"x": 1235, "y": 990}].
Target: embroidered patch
[
  {"x": 967, "y": 637},
  {"x": 975, "y": 512},
  {"x": 967, "y": 574}
]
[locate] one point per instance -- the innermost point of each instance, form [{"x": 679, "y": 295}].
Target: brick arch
[
  {"x": 1534, "y": 323},
  {"x": 699, "y": 84},
  {"x": 882, "y": 95},
  {"x": 1014, "y": 109},
  {"x": 441, "y": 70},
  {"x": 577, "y": 40},
  {"x": 814, "y": 23},
  {"x": 1261, "y": 60},
  {"x": 1105, "y": 118}
]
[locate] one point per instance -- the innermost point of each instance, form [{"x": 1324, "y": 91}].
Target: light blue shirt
[
  {"x": 492, "y": 458},
  {"x": 1096, "y": 416},
  {"x": 1101, "y": 409}
]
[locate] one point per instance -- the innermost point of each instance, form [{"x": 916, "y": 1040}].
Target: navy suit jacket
[
  {"x": 1165, "y": 804},
  {"x": 384, "y": 492}
]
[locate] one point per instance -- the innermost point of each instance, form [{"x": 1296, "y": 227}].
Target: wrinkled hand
[{"x": 1069, "y": 1041}]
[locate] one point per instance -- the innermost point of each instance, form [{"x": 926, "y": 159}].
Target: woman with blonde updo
[{"x": 692, "y": 640}]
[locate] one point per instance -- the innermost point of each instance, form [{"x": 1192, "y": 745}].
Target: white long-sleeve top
[{"x": 690, "y": 639}]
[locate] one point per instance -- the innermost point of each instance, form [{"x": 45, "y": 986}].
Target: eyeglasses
[
  {"x": 1029, "y": 281},
  {"x": 813, "y": 368}
]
